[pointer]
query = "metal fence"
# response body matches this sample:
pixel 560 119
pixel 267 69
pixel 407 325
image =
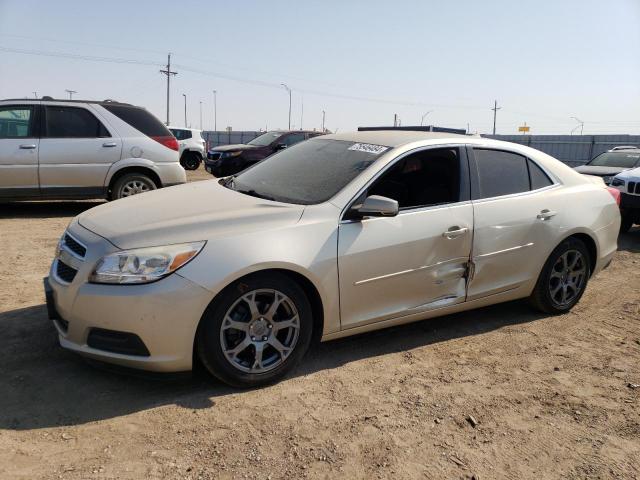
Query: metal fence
pixel 573 150
pixel 214 139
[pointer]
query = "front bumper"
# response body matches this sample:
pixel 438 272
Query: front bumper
pixel 163 315
pixel 628 201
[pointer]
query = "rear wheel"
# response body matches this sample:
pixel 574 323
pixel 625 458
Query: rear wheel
pixel 563 279
pixel 132 184
pixel 256 331
pixel 190 160
pixel 626 223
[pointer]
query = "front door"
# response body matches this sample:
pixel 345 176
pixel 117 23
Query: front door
pixel 416 261
pixel 18 151
pixel 76 151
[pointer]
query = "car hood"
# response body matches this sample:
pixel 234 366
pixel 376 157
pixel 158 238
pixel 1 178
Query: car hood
pixel 599 171
pixel 233 148
pixel 185 213
pixel 630 175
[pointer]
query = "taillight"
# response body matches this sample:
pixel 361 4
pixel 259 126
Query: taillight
pixel 168 141
pixel 615 193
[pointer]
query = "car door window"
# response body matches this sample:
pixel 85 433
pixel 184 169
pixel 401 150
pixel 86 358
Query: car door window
pixel 425 178
pixel 73 122
pixel 539 179
pixel 16 122
pixel 500 173
pixel 292 139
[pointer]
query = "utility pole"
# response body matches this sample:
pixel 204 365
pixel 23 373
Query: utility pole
pixel 495 111
pixel 395 119
pixel 168 73
pixel 288 90
pixel 71 92
pixel 301 110
pixel 215 112
pixel 581 125
pixel 423 116
pixel 35 95
pixel 323 114
pixel 185 110
pixel 201 115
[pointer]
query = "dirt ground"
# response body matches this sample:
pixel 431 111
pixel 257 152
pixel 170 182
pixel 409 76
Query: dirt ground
pixel 502 392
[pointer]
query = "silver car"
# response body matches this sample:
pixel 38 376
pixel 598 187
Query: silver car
pixel 335 236
pixel 62 149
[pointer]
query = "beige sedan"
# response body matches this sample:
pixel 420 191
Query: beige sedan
pixel 335 236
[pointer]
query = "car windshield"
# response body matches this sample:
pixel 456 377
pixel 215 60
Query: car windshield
pixel 265 139
pixel 616 159
pixel 307 173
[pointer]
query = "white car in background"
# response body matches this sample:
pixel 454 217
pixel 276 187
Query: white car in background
pixel 628 182
pixel 63 149
pixel 192 146
pixel 333 236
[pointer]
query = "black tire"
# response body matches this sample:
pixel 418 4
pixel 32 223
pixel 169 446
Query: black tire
pixel 211 339
pixel 626 223
pixel 190 160
pixel 543 297
pixel 132 184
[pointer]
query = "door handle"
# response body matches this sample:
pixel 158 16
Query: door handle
pixel 546 214
pixel 455 232
pixel 27 146
pixel 110 144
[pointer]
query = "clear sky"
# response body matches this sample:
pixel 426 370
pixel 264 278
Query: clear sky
pixel 362 61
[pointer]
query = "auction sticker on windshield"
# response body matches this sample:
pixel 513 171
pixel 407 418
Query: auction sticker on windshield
pixel 368 148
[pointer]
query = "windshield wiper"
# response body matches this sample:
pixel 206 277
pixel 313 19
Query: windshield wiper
pixel 253 193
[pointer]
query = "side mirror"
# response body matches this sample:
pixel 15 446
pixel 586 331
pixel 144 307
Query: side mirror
pixel 377 206
pixel 281 146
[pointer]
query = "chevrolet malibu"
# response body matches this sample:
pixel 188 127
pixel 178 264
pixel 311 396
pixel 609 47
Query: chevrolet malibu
pixel 335 236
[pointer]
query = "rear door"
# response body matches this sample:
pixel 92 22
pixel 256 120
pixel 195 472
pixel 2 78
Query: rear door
pixel 416 261
pixel 18 151
pixel 76 151
pixel 515 204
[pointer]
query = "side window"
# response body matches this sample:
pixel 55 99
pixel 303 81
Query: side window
pixel 539 179
pixel 73 122
pixel 16 122
pixel 292 139
pixel 500 173
pixel 429 177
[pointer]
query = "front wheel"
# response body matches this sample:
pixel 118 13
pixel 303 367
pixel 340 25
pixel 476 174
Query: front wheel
pixel 256 331
pixel 563 279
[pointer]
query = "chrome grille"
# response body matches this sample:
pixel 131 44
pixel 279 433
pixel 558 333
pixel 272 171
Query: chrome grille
pixel 64 272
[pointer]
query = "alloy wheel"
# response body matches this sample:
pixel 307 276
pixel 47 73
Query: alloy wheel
pixel 134 187
pixel 259 331
pixel 567 278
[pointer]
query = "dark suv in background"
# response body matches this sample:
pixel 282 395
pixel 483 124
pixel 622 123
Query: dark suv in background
pixel 230 159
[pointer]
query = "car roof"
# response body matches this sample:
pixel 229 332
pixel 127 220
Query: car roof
pixel 394 138
pixel 184 128
pixel 62 100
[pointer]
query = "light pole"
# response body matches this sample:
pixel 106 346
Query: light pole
pixel 581 125
pixel 185 110
pixel 422 119
pixel 71 92
pixel 288 90
pixel 35 94
pixel 215 112
pixel 201 115
pixel 323 113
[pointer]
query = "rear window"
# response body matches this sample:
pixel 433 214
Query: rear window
pixel 181 134
pixel 139 119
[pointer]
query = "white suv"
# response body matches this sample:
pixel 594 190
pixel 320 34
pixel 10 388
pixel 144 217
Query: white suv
pixel 61 149
pixel 192 146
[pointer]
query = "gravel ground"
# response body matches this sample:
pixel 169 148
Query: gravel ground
pixel 501 392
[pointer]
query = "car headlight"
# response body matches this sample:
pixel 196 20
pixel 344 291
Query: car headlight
pixel 617 182
pixel 144 265
pixel 232 154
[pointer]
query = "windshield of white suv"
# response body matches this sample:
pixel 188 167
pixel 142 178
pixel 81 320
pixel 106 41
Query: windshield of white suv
pixel 616 159
pixel 307 173
pixel 266 139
